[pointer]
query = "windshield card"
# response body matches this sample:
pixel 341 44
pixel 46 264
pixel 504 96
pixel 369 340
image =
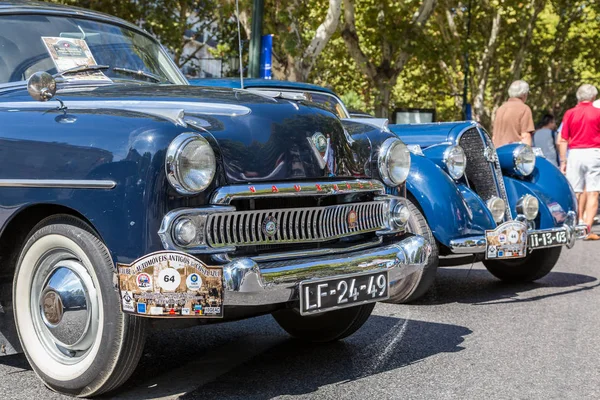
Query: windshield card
pixel 509 240
pixel 171 284
pixel 67 53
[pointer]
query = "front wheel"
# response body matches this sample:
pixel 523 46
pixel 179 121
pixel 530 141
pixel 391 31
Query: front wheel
pixel 418 283
pixel 326 327
pixel 535 266
pixel 67 311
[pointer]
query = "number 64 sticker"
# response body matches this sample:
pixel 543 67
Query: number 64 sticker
pixel 169 279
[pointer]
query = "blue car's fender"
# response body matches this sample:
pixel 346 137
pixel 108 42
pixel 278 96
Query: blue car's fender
pixel 548 184
pixel 439 199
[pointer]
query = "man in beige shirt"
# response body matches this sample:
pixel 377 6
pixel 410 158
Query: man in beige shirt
pixel 514 122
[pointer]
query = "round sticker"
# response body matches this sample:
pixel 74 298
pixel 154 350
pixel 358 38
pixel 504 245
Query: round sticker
pixel 193 281
pixel 513 237
pixel 502 238
pixel 169 279
pixel 144 281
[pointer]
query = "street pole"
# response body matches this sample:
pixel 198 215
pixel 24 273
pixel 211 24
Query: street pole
pixel 257 22
pixel 465 106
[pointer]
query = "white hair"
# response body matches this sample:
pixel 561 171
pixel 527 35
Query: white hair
pixel 518 89
pixel 587 92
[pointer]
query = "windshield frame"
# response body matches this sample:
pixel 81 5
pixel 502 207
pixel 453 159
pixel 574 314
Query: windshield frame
pixel 80 13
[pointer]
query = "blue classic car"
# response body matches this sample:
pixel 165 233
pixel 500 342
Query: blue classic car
pixel 507 207
pixel 126 194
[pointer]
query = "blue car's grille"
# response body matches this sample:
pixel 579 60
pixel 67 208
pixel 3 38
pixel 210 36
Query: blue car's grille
pixel 484 177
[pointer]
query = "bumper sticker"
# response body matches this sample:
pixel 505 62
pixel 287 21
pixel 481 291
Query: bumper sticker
pixel 171 284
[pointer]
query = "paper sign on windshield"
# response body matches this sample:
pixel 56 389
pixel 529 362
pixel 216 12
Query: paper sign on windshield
pixel 67 53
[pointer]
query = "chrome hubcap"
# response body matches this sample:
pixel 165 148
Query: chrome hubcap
pixel 65 305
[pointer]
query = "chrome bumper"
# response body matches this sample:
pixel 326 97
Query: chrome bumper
pixel 477 244
pixel 248 283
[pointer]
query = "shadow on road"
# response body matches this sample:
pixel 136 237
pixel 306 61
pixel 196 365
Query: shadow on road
pixel 293 367
pixel 478 286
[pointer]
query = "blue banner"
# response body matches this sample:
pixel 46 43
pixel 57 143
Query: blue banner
pixel 266 53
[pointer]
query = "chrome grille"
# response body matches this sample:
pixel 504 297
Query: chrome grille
pixel 484 177
pixel 294 225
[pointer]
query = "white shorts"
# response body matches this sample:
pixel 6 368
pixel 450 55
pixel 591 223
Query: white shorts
pixel 583 170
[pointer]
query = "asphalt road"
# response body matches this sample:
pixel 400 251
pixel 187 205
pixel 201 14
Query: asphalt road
pixel 472 337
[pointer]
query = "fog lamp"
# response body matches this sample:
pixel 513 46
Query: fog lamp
pixel 529 206
pixel 400 214
pixel 497 207
pixel 184 232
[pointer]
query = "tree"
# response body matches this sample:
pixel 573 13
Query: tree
pixel 383 64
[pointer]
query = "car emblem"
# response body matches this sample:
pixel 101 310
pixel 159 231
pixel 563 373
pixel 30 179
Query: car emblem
pixel 269 226
pixel 320 142
pixel 490 154
pixel 352 219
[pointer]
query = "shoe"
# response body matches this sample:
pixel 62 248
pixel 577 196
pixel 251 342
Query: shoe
pixel 592 236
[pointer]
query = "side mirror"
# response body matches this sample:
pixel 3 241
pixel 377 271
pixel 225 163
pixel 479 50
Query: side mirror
pixel 41 86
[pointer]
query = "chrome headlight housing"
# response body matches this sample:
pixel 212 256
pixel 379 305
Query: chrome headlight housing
pixel 393 162
pixel 524 159
pixel 529 206
pixel 497 207
pixel 456 161
pixel 190 163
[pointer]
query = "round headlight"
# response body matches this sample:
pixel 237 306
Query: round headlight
pixel 524 159
pixel 394 162
pixel 190 163
pixel 497 206
pixel 456 161
pixel 529 206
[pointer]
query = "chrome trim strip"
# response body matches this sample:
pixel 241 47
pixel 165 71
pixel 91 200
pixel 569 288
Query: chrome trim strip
pixel 225 194
pixel 58 183
pixel 301 91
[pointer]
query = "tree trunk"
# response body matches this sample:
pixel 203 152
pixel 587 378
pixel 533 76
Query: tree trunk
pixel 382 98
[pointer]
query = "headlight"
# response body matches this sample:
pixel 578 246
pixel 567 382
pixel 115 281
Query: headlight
pixel 190 163
pixel 456 161
pixel 394 162
pixel 524 159
pixel 497 206
pixel 529 206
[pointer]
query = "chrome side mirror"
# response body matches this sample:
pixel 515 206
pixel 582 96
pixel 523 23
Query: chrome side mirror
pixel 41 86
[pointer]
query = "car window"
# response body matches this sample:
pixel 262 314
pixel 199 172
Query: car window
pixel 24 52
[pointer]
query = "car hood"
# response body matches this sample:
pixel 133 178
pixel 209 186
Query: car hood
pixel 257 138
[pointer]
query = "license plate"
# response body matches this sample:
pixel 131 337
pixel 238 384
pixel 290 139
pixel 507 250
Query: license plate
pixel 508 240
pixel 326 294
pixel 547 239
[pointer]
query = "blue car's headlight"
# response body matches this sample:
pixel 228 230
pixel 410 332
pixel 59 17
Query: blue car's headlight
pixel 456 161
pixel 524 160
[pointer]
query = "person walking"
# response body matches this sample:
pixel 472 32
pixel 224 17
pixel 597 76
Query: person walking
pixel 545 138
pixel 514 121
pixel 581 134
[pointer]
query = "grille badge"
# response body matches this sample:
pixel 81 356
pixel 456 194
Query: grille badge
pixel 490 155
pixel 352 219
pixel 269 226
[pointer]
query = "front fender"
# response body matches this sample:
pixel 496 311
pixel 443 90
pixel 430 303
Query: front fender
pixel 439 198
pixel 549 185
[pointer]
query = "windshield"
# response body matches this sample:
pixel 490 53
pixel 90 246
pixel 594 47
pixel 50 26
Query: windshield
pixel 32 43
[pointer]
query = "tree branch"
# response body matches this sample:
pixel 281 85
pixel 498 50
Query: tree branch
pixel 352 41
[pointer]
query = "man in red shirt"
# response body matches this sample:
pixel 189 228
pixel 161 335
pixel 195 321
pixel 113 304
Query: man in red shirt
pixel 581 133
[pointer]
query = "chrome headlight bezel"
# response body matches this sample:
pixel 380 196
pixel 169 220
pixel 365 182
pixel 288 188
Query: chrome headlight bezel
pixel 393 150
pixel 176 173
pixel 524 160
pixel 452 160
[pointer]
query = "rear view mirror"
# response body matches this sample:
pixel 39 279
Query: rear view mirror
pixel 41 86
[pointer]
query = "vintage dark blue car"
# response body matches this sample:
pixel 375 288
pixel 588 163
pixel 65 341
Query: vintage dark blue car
pixel 508 207
pixel 126 194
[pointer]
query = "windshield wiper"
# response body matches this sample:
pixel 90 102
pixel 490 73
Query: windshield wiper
pixel 82 68
pixel 139 73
